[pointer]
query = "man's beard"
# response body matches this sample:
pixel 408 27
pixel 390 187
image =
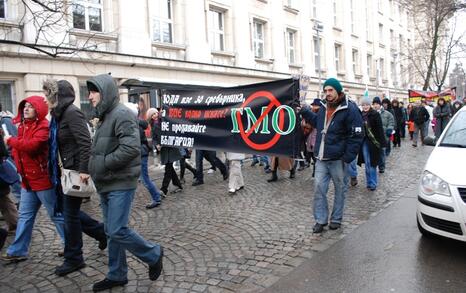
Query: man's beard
pixel 334 103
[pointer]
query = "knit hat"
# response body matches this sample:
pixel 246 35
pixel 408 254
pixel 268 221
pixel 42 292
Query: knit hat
pixel 366 100
pixel 333 82
pixel 376 100
pixel 386 101
pixel 150 112
pixel 316 102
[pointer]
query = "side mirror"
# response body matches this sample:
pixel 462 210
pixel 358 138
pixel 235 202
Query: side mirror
pixel 430 140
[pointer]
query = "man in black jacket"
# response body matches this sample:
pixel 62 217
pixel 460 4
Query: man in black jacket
pixel 115 165
pixel 419 116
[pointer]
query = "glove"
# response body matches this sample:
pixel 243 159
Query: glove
pixel 388 132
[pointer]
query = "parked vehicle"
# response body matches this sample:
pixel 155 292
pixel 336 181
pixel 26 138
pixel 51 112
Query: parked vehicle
pixel 442 189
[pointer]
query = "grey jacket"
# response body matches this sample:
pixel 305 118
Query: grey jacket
pixel 115 162
pixel 388 121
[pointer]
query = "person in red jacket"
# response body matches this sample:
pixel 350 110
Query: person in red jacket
pixel 30 151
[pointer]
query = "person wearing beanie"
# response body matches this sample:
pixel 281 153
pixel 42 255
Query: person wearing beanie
pixel 339 137
pixel 115 166
pixel 70 142
pixel 373 142
pixel 388 124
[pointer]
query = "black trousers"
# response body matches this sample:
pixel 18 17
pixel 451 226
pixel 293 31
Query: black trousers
pixel 170 176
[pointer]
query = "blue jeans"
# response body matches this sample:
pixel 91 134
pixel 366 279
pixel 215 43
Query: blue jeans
pixel 76 222
pixel 150 186
pixel 382 159
pixel 326 170
pixel 353 168
pixel 388 148
pixel 371 172
pixel 15 187
pixel 28 208
pixel 263 159
pixel 116 207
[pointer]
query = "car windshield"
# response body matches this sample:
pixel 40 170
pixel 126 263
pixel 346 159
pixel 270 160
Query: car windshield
pixel 455 135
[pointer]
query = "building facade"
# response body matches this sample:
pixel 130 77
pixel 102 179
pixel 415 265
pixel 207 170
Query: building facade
pixel 207 42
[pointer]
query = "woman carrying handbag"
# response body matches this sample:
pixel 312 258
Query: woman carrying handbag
pixel 70 143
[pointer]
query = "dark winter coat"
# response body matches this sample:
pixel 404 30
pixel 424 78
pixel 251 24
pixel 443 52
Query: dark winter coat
pixel 115 162
pixel 419 115
pixel 167 154
pixel 454 109
pixel 373 125
pixel 442 116
pixel 342 138
pixel 30 147
pixel 145 149
pixel 74 140
pixel 399 117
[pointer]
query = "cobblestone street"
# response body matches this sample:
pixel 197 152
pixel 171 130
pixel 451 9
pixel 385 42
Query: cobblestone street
pixel 216 242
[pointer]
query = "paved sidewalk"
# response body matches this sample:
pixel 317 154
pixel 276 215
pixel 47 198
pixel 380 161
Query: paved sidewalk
pixel 215 242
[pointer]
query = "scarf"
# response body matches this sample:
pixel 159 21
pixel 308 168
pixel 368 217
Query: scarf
pixel 53 165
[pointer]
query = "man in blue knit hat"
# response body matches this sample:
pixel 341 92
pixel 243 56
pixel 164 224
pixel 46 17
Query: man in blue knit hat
pixel 339 137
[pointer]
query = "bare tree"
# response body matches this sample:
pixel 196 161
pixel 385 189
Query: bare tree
pixel 44 26
pixel 431 52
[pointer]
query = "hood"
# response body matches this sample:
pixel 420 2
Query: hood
pixel 108 90
pixel 39 105
pixel 59 93
pixel 448 163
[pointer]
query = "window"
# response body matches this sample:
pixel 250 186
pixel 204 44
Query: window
pixel 335 13
pixel 382 68
pixel 368 22
pixel 7 96
pixel 353 26
pixel 314 9
pixel 87 15
pixel 3 8
pixel 369 65
pixel 355 55
pixel 338 57
pixel 217 30
pixel 85 105
pixel 291 46
pixel 380 33
pixel 258 39
pixel 393 72
pixel 162 22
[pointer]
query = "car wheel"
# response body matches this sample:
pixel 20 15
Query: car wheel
pixel 423 231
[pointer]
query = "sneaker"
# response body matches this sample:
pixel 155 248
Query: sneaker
pixel 152 205
pixel 67 268
pixel 156 269
pixel 210 171
pixel 268 170
pixel 107 284
pixel 14 258
pixel 239 188
pixel 334 226
pixel 197 182
pixel 318 228
pixel 178 189
pixel 163 193
pixel 232 191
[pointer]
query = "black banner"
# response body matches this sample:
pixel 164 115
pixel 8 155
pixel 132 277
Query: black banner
pixel 257 118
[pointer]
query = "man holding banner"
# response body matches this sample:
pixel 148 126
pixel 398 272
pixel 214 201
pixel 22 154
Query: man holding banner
pixel 339 137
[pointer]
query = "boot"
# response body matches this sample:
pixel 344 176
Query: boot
pixel 274 176
pixel 292 173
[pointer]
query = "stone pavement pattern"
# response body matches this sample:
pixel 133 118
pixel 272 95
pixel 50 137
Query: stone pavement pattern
pixel 215 242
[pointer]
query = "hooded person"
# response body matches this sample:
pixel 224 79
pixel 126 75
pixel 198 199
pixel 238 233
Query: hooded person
pixel 30 151
pixel 339 137
pixel 70 141
pixel 442 114
pixel 115 166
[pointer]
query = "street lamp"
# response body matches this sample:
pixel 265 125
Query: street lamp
pixel 318 27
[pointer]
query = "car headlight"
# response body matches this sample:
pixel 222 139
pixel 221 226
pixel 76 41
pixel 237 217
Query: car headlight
pixel 431 184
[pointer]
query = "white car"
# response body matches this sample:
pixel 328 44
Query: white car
pixel 442 189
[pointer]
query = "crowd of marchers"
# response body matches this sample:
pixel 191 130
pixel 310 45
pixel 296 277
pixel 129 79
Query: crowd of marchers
pixel 50 134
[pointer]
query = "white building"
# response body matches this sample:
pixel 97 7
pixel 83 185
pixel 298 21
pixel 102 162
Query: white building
pixel 206 42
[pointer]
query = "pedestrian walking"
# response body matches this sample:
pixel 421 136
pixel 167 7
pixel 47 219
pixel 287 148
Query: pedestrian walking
pixel 30 150
pixel 282 163
pixel 399 123
pixel 405 119
pixel 211 157
pixel 262 160
pixel 70 143
pixel 457 105
pixel 339 137
pixel 442 114
pixel 387 106
pixel 7 174
pixel 419 116
pixel 236 181
pixel 388 124
pixel 373 143
pixel 115 166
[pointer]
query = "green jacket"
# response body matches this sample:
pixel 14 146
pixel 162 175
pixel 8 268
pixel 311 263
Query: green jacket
pixel 388 121
pixel 115 162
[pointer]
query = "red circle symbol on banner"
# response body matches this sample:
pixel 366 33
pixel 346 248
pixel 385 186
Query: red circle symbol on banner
pixel 273 102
